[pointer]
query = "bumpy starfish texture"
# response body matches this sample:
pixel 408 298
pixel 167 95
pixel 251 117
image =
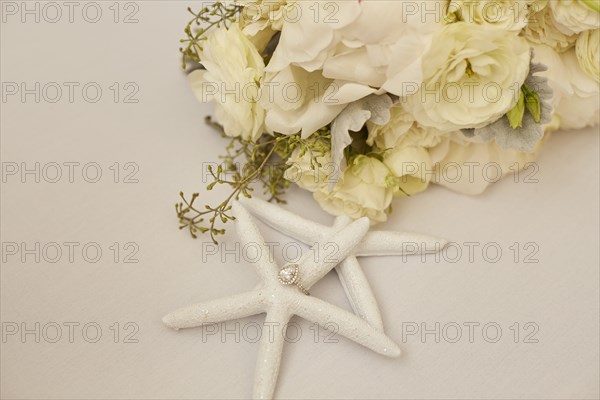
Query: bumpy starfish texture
pixel 374 243
pixel 281 302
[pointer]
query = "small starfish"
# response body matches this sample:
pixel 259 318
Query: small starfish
pixel 375 243
pixel 281 302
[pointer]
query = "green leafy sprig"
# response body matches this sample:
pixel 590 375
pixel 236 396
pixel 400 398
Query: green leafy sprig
pixel 215 15
pixel 245 163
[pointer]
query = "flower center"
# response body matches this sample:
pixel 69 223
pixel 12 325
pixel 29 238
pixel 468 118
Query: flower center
pixel 469 69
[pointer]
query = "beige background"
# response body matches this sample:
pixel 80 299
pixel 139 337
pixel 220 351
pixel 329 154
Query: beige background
pixel 164 135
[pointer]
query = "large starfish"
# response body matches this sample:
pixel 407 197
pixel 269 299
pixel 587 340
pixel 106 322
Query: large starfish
pixel 375 243
pixel 281 302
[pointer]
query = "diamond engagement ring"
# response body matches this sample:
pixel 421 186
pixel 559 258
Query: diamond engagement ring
pixel 290 275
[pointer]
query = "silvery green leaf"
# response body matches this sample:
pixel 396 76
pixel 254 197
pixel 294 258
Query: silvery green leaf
pixel 524 138
pixel 375 108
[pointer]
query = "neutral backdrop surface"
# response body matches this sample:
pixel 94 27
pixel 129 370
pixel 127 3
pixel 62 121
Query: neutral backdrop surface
pixel 534 312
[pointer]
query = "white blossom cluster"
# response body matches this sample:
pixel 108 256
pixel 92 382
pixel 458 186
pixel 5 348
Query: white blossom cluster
pixel 406 80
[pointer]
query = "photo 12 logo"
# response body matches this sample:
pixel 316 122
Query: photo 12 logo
pixel 475 252
pixel 53 12
pixel 69 172
pixel 470 332
pixel 251 252
pixel 69 332
pixel 69 252
pixel 70 92
pixel 253 332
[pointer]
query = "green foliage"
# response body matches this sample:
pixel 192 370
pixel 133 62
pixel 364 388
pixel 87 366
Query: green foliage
pixel 533 103
pixel 247 162
pixel 528 100
pixel 215 15
pixel 593 4
pixel 516 114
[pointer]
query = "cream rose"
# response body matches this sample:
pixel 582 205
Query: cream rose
pixel 543 29
pixel 260 14
pixel 588 52
pixel 510 15
pixel 354 41
pixel 401 129
pixel 581 108
pixel 575 97
pixel 422 137
pixel 309 176
pixel 384 49
pixel 409 159
pixel 231 78
pixel 470 166
pixel 556 73
pixel 471 76
pixel 387 136
pixel 412 167
pixel 575 16
pixel 365 189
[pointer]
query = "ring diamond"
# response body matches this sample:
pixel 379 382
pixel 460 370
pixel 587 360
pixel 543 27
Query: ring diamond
pixel 290 275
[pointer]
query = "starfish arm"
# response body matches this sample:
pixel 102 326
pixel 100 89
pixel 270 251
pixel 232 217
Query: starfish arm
pixel 328 253
pixel 389 243
pixel 251 238
pixel 359 292
pixel 214 311
pixel 345 323
pixel 286 222
pixel 269 352
pixel 341 221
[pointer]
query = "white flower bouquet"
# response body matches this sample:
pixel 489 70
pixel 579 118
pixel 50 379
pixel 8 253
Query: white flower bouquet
pixel 362 101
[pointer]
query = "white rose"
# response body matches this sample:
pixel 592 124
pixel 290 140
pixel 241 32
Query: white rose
pixel 233 70
pixel 510 15
pixel 309 176
pixel 260 14
pixel 378 43
pixel 412 167
pixel 543 29
pixel 553 125
pixel 470 166
pixel 300 101
pixel 409 159
pixel 556 73
pixel 587 49
pixel 420 136
pixel 471 76
pixel 310 31
pixel 401 129
pixel 384 46
pixel 582 108
pixel 574 16
pixel 365 189
pixel 576 94
pixel 387 136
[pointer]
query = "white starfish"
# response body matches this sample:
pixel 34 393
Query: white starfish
pixel 375 243
pixel 281 302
